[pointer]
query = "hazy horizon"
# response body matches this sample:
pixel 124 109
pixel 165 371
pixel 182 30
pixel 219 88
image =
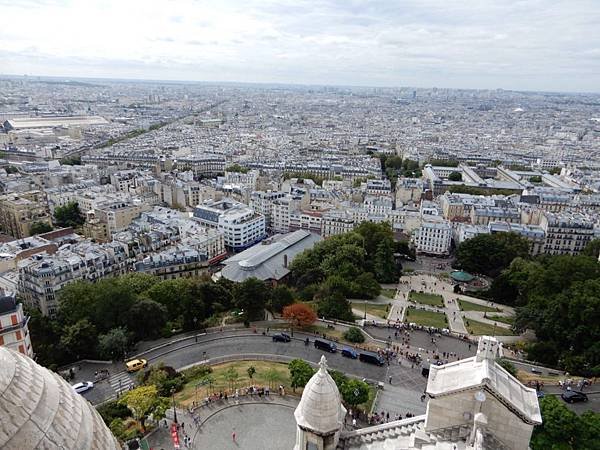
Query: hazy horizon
pixel 519 45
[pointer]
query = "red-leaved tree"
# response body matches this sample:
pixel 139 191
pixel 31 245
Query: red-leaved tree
pixel 299 315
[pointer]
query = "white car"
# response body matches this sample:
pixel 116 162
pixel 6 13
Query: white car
pixel 82 387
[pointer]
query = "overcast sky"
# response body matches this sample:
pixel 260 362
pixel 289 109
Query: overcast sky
pixel 511 44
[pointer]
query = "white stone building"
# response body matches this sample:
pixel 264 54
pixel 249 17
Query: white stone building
pixel 433 237
pixel 474 404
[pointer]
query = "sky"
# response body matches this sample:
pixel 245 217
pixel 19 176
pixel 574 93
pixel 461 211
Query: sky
pixel 550 45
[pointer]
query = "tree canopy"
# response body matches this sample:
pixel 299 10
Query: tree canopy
pixel 559 298
pixel 300 373
pixel 489 254
pixel 68 215
pixel 39 228
pixel 455 176
pixel 299 315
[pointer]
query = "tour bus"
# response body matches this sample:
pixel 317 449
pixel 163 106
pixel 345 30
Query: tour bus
pixel 371 358
pixel 325 345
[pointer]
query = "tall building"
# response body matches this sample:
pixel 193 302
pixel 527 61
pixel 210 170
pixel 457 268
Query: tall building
pixel 18 212
pixel 566 233
pixel 241 226
pixel 14 332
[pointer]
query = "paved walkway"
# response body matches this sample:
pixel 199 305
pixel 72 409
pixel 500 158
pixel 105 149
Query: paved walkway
pixel 257 423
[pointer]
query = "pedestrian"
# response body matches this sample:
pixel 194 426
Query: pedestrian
pixel 233 437
pixel 390 379
pixel 354 423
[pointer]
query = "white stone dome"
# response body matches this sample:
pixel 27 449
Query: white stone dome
pixel 39 410
pixel 320 409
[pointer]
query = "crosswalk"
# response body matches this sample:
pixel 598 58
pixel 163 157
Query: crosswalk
pixel 121 382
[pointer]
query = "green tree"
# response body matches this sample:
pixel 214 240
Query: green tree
pixel 489 254
pixel 300 373
pixel 353 334
pixel 113 344
pixel 592 248
pixel 69 215
pixel 355 392
pixel 455 176
pixel 45 338
pixel 252 296
pixel 365 286
pixel 272 376
pixel 237 168
pixel 146 318
pixel 138 282
pixel 558 428
pixel 394 162
pixel 144 402
pixel 281 296
pixel 250 371
pixel 172 294
pixel 335 306
pixel 79 339
pixel 39 228
pixel 384 264
pixel 508 366
pixel 231 376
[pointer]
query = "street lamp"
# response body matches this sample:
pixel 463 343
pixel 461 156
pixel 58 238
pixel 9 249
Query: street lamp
pixel 365 310
pixel 174 409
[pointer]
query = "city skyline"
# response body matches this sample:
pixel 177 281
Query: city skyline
pixel 531 46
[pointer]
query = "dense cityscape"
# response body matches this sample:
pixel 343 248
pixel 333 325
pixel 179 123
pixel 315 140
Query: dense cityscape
pixel 307 225
pixel 133 212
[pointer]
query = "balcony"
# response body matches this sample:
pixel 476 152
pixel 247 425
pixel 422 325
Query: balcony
pixel 16 327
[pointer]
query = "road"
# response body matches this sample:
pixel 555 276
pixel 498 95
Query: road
pixel 402 396
pixel 189 352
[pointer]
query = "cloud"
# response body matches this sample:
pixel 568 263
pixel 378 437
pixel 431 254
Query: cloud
pixel 521 44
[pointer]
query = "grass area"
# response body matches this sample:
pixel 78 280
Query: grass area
pixel 510 320
pixel 470 306
pixel 426 299
pixel 375 309
pixel 426 318
pixel 389 293
pixel 281 373
pixel 220 383
pixel 480 329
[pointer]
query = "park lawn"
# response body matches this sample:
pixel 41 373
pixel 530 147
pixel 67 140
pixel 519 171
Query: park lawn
pixel 389 293
pixel 426 299
pixel 220 383
pixel 426 318
pixel 375 309
pixel 479 329
pixel 470 306
pixel 510 320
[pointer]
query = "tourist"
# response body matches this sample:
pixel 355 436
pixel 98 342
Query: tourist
pixel 233 437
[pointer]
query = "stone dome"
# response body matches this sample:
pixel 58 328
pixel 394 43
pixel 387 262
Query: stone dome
pixel 39 410
pixel 320 409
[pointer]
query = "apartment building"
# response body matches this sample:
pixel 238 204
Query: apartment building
pixel 18 212
pixel 262 203
pixel 433 237
pixel 177 262
pixel 566 233
pixel 14 330
pixel 117 215
pixel 336 222
pixel 533 233
pixel 240 225
pixel 482 215
pixel 42 276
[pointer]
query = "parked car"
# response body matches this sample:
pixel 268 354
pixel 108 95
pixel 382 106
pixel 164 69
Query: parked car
pixel 574 397
pixel 281 337
pixel 540 394
pixel 371 358
pixel 349 353
pixel 536 370
pixel 83 386
pixel 325 345
pixel 136 364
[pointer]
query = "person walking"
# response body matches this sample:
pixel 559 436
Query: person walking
pixel 233 437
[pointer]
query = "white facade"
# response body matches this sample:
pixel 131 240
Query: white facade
pixel 433 237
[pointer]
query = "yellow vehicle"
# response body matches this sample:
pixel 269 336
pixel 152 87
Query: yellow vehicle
pixel 136 364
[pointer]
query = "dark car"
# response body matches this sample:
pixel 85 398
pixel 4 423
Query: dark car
pixel 325 345
pixel 349 353
pixel 371 358
pixel 536 370
pixel 574 397
pixel 281 337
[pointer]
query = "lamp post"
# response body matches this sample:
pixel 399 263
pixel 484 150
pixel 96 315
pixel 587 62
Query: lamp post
pixel 365 317
pixel 174 409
